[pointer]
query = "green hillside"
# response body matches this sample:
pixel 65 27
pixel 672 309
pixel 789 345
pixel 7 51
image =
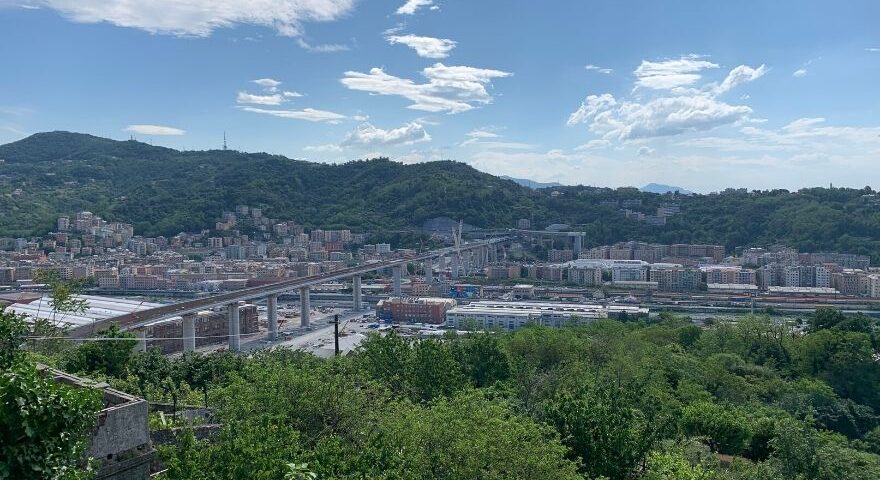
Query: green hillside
pixel 165 191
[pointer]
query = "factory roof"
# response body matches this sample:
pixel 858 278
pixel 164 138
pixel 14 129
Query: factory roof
pixel 98 308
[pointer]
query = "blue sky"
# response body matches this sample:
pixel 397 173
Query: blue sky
pixel 699 94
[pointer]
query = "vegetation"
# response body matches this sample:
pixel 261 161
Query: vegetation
pixel 44 425
pixel 617 400
pixel 164 191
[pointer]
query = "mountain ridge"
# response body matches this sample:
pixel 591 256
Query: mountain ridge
pixel 163 191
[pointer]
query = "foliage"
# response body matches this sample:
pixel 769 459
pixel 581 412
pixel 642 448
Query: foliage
pixel 109 354
pixel 12 332
pixel 752 399
pixel 164 191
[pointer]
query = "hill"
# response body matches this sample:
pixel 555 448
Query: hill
pixel 531 183
pixel 165 191
pixel 661 188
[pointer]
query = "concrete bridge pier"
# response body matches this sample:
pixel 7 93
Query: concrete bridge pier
pixel 453 273
pixel 234 327
pixel 141 345
pixel 356 292
pixel 305 307
pixel 396 274
pixel 429 271
pixel 189 333
pixel 578 246
pixel 272 314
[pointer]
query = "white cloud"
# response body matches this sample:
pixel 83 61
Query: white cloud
pixel 799 73
pixel 482 133
pixel 412 6
pixel 676 111
pixel 201 17
pixel 668 74
pixel 309 114
pixel 873 49
pixel 427 47
pixel 645 151
pixel 803 124
pixel 486 139
pixel 599 69
pixel 368 135
pixel 491 145
pixel 738 76
pixel 145 129
pixel 267 83
pixel 590 107
pixel 593 145
pixel 273 99
pixel 328 147
pixel 291 94
pixel 323 48
pixel 451 89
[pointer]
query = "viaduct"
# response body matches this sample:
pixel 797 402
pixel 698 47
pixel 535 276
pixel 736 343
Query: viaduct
pixel 476 253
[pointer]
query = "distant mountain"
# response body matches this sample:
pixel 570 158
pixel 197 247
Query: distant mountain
pixel 661 188
pixel 531 183
pixel 163 191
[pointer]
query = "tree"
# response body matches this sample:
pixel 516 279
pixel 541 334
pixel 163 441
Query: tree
pixel 726 429
pixel 481 358
pixel 109 353
pixel 432 371
pixel 12 332
pixel 845 360
pixel 600 425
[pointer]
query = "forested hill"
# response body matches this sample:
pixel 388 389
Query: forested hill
pixel 165 191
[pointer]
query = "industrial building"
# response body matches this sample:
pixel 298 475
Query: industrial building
pixel 414 310
pixel 489 315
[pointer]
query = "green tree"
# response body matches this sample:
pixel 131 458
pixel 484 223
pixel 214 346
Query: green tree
pixel 727 429
pixel 44 425
pixel 109 354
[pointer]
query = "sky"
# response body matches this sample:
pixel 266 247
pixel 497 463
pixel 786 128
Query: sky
pixel 703 95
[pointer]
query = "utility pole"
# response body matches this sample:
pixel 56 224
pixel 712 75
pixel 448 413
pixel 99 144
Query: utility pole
pixel 336 333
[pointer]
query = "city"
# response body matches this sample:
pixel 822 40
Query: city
pixel 428 239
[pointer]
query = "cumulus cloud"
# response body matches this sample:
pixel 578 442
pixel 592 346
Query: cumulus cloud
pixel 200 17
pixel 146 129
pixel 309 114
pixel 450 89
pixel 271 96
pixel 273 99
pixel 368 135
pixel 599 69
pixel 269 84
pixel 592 105
pixel 427 47
pixel 681 107
pixel 668 74
pixel 412 6
pixel 799 73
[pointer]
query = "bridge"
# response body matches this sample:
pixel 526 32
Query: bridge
pixel 479 253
